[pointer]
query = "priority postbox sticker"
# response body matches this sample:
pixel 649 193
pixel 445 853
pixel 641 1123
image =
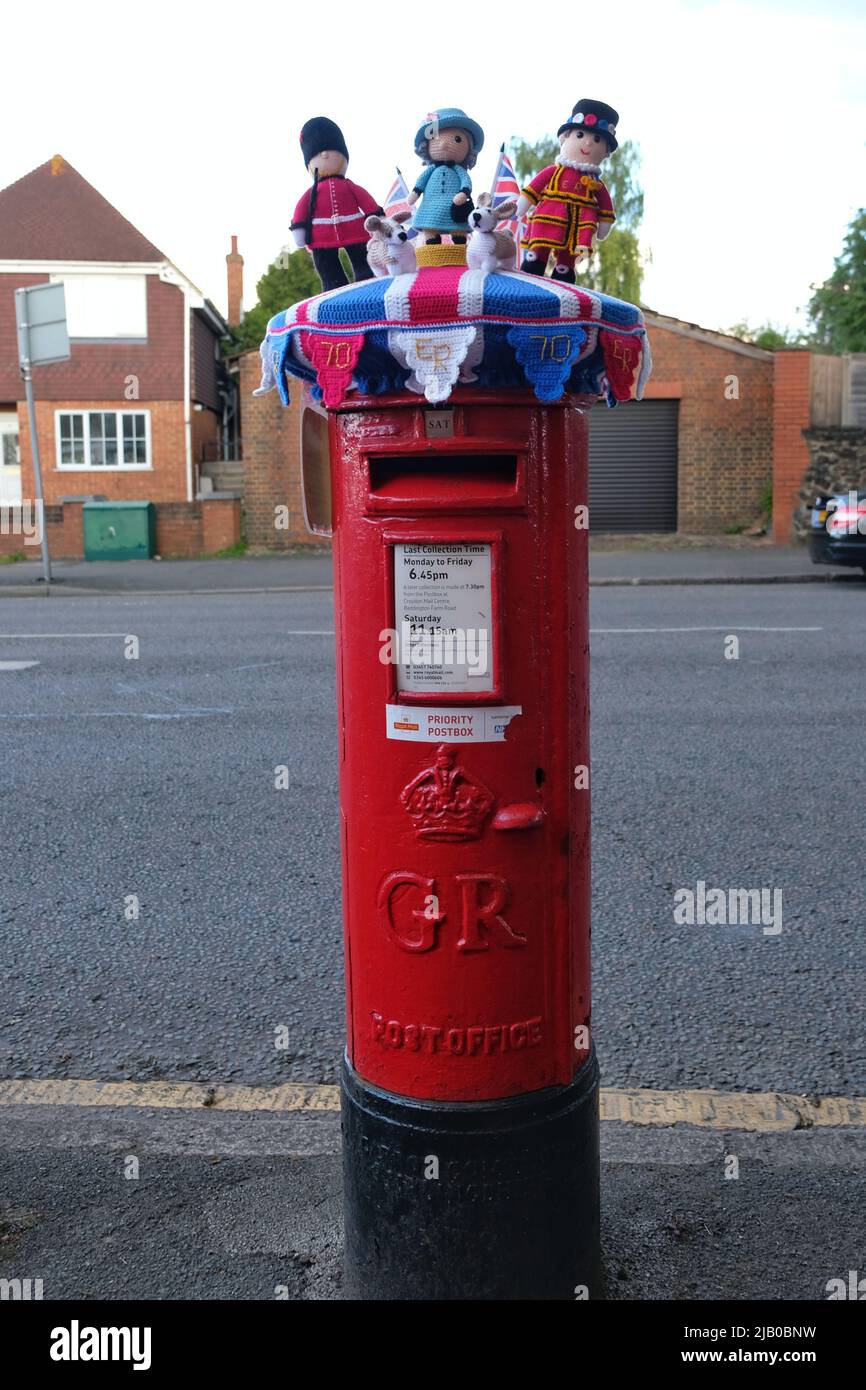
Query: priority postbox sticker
pixel 449 723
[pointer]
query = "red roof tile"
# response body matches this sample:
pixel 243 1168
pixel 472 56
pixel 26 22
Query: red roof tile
pixel 53 214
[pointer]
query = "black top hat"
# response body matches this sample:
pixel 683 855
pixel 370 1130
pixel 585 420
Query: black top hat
pixel 319 134
pixel 595 116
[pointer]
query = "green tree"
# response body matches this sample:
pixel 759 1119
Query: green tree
pixel 838 307
pixel 769 337
pixel 292 276
pixel 616 268
pixel 528 159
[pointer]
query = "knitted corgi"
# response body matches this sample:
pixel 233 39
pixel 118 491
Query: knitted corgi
pixel 488 249
pixel 568 205
pixel 389 250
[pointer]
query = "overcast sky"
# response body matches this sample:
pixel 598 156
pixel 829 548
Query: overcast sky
pixel 750 116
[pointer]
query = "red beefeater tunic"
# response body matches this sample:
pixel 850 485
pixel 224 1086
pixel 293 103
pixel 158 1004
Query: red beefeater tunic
pixel 569 205
pixel 339 212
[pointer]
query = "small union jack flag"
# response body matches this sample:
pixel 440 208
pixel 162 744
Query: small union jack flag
pixel 504 186
pixel 396 199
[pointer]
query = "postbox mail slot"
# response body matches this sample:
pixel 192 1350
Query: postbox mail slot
pixel 422 482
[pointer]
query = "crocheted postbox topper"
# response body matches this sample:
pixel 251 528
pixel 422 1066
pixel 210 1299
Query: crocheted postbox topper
pixel 441 326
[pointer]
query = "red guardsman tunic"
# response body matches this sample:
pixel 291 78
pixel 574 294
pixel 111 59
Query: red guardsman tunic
pixel 339 212
pixel 570 205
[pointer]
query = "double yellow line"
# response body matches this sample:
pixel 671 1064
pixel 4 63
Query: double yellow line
pixel 763 1111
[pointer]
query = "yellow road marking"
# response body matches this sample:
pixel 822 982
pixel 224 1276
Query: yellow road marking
pixel 770 1111
pixel 170 1095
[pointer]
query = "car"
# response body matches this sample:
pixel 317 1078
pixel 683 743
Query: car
pixel 838 530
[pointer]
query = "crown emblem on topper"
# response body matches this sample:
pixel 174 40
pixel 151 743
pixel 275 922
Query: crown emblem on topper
pixel 445 802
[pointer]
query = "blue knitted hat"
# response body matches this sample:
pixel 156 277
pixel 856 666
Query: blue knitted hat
pixel 448 117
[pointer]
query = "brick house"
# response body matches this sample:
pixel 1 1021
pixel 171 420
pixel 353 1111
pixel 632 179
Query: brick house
pixel 701 442
pixel 721 422
pixel 142 403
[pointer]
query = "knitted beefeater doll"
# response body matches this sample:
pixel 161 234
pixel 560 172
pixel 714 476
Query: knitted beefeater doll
pixel 331 214
pixel 448 144
pixel 567 205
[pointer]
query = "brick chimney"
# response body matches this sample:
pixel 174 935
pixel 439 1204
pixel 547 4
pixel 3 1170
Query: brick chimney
pixel 235 273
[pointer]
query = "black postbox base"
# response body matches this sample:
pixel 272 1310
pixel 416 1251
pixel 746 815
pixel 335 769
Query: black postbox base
pixel 488 1200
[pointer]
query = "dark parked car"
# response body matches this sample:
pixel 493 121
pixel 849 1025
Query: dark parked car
pixel 838 534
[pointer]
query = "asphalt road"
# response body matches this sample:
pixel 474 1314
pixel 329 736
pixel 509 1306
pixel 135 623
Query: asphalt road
pixel 155 777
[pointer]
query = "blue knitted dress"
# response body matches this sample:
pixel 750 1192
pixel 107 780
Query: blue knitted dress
pixel 439 183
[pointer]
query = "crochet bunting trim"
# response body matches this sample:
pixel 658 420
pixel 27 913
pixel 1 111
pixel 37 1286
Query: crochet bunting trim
pixel 438 327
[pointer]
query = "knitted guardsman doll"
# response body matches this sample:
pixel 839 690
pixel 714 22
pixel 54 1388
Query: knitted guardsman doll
pixel 447 144
pixel 567 202
pixel 331 214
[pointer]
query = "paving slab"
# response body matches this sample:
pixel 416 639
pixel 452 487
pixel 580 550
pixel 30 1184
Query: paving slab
pixel 236 1206
pixel 628 563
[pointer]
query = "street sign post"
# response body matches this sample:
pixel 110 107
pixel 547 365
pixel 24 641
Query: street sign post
pixel 40 316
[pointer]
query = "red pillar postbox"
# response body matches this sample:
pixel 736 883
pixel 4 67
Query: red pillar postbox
pixel 470 1084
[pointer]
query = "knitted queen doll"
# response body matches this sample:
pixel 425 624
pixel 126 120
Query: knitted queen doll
pixel 447 144
pixel 567 205
pixel 331 214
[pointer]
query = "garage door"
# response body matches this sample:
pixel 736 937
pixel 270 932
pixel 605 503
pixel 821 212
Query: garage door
pixel 633 467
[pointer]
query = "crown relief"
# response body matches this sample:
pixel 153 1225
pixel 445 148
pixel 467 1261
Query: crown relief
pixel 445 802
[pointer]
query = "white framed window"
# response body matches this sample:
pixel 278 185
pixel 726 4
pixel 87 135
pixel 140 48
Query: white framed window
pixel 103 439
pixel 105 307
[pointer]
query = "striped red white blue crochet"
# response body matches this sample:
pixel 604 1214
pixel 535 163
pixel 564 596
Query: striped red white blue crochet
pixel 438 327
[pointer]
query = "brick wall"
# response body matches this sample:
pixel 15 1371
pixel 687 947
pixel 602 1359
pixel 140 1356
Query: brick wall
pixel 178 529
pixel 187 529
pixel 64 526
pixel 725 441
pixel 791 414
pixel 220 523
pixel 11 385
pixel 164 482
pixel 272 464
pixel 206 366
pixel 205 436
pixel 183 529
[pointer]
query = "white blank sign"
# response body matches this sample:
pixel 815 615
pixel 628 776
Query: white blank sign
pixel 106 306
pixel 40 315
